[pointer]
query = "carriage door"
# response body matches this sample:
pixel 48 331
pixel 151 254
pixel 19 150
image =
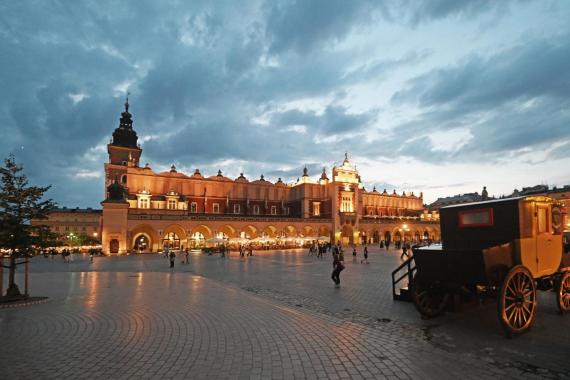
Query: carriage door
pixel 547 259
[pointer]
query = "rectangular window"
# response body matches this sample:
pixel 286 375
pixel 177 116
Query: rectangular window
pixel 346 202
pixel 255 209
pixel 316 208
pixel 236 209
pixel 143 203
pixel 286 210
pixel 193 207
pixel 171 204
pixel 542 220
pixel 216 208
pixel 476 218
pixel 273 210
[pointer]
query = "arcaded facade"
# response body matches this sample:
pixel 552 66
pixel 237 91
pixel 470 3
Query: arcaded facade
pixel 144 210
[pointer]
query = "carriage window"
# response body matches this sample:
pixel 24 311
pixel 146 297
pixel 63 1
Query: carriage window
pixel 542 221
pixel 476 218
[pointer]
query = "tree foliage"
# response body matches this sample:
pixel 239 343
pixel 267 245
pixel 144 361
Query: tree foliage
pixel 19 204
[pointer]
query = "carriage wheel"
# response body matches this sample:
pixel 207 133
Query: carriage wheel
pixel 563 293
pixel 517 300
pixel 430 300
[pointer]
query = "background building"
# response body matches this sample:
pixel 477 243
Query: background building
pixel 74 225
pixel 146 210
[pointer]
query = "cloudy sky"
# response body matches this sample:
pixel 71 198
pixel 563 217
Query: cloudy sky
pixel 439 96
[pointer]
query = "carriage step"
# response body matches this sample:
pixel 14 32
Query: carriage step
pixel 404 295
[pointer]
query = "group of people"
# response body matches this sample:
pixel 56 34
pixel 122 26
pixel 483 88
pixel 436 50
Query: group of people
pixel 245 251
pixel 171 256
pixel 319 249
pixel 338 261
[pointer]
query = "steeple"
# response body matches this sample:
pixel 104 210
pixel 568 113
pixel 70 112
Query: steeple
pixel 305 171
pixel 324 174
pixel 125 135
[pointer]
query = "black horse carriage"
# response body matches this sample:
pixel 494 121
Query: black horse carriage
pixel 508 248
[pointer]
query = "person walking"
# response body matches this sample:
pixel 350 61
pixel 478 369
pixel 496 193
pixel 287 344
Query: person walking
pixel 353 253
pixel 404 252
pixel 365 260
pixel 172 258
pixel 337 268
pixel 250 250
pixel 186 254
pixel 91 253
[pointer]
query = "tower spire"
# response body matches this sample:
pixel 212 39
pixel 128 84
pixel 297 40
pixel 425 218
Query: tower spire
pixel 127 102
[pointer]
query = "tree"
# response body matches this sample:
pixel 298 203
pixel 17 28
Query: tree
pixel 19 204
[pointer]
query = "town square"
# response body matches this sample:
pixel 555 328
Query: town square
pixel 287 189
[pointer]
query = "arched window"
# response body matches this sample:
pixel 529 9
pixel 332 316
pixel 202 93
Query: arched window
pixel 171 240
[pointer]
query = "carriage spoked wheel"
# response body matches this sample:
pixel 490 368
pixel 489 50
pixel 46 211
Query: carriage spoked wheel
pixel 563 293
pixel 431 299
pixel 517 301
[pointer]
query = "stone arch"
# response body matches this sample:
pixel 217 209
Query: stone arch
pixel 270 231
pixel 347 235
pixel 229 231
pixel 324 231
pixel 308 231
pixel 148 232
pixel 174 236
pixel 250 231
pixel 114 246
pixel 204 230
pixel 375 236
pixel 290 231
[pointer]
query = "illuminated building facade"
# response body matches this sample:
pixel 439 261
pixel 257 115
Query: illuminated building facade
pixel 73 222
pixel 145 210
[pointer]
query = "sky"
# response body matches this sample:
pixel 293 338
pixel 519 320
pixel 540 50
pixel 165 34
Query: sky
pixel 435 96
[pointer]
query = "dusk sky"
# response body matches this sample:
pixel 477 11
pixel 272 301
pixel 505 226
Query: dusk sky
pixel 439 96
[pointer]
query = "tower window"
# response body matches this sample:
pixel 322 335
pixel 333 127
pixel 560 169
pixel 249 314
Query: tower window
pixel 273 210
pixel 256 209
pixel 316 208
pixel 124 179
pixel 236 209
pixel 194 207
pixel 171 204
pixel 216 208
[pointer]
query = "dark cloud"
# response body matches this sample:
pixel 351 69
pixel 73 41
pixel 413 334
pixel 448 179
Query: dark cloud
pixel 202 73
pixel 303 25
pixel 535 69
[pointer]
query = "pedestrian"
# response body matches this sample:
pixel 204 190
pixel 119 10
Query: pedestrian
pixel 337 268
pixel 353 253
pixel 186 253
pixel 365 260
pixel 172 258
pixel 404 251
pixel 387 244
pixel 250 250
pixel 91 253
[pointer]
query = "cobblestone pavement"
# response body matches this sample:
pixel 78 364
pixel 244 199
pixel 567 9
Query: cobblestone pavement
pixel 273 315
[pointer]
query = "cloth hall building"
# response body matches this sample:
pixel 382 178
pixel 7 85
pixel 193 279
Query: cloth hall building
pixel 145 211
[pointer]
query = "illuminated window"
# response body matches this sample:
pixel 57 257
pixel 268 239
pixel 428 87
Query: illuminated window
pixel 542 221
pixel 256 209
pixel 171 204
pixel 236 209
pixel 194 207
pixel 216 208
pixel 316 208
pixel 143 203
pixel 273 210
pixel 346 203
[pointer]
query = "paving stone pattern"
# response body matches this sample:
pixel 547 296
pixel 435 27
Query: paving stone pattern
pixel 274 315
